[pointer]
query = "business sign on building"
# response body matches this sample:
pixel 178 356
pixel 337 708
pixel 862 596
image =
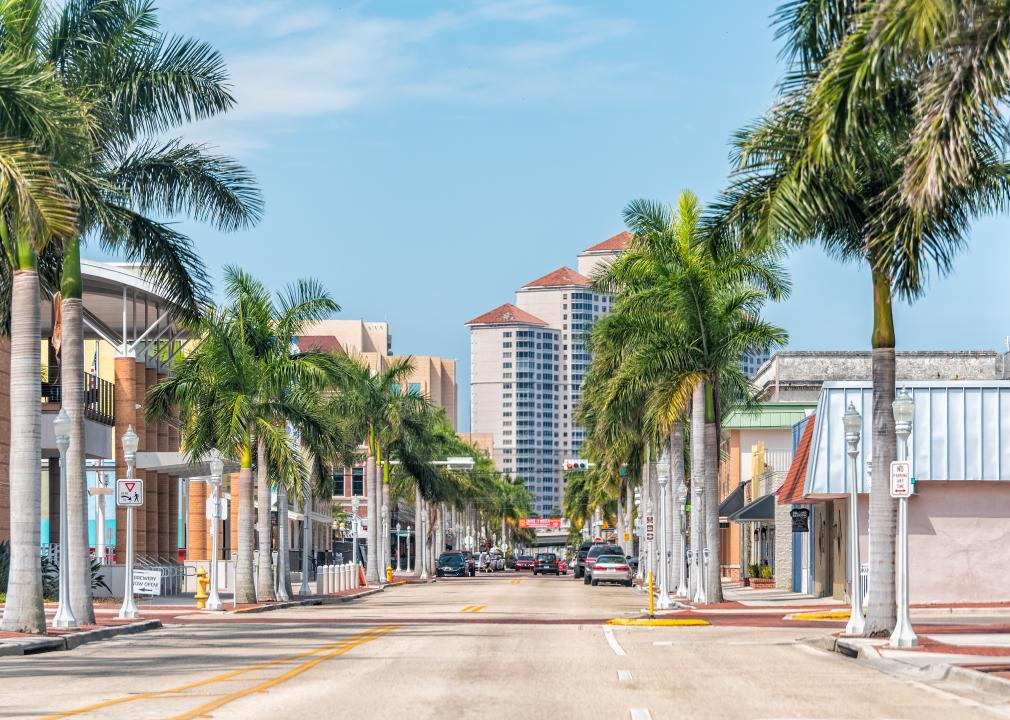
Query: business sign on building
pixel 540 523
pixel 801 518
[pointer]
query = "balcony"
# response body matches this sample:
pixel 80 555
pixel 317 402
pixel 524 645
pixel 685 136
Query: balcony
pixel 99 396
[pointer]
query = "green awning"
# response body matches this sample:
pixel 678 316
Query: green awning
pixel 761 509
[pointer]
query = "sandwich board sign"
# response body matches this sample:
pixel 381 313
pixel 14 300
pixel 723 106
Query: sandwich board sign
pixel 147 582
pixel 129 493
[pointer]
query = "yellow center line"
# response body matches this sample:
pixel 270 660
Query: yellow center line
pixel 273 682
pixel 468 608
pixel 215 679
pixel 478 608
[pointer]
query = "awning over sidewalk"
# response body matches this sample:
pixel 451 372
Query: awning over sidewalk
pixel 761 509
pixel 733 503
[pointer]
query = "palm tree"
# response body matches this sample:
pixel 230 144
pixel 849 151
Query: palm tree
pixel 691 315
pixel 40 126
pixel 138 84
pixel 849 200
pixel 239 390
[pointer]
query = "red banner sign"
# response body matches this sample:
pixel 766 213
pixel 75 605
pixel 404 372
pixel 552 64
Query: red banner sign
pixel 540 523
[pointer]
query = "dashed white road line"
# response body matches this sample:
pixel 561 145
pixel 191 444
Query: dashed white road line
pixel 640 714
pixel 624 675
pixel 612 641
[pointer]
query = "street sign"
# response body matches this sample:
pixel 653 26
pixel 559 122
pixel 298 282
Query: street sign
pixel 800 516
pixel 129 493
pixel 627 537
pixel 650 527
pixel 222 504
pixel 901 479
pixel 147 582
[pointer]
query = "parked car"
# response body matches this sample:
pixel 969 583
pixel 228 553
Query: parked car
pixel 563 566
pixel 546 563
pixel 524 562
pixel 633 562
pixel 595 552
pixel 579 559
pixel 611 568
pixel 451 565
pixel 497 561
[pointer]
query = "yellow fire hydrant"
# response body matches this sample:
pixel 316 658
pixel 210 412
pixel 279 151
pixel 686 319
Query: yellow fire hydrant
pixel 389 574
pixel 202 583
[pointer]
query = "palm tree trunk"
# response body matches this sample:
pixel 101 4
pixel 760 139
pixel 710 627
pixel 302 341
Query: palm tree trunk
pixel 697 479
pixel 629 516
pixel 23 611
pixel 714 568
pixel 676 483
pixel 283 571
pixel 386 549
pixel 264 579
pixel 419 557
pixel 882 612
pixel 374 521
pixel 245 588
pixel 72 387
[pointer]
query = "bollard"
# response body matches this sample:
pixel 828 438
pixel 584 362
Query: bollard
pixel 652 598
pixel 348 576
pixel 323 579
pixel 329 579
pixel 342 578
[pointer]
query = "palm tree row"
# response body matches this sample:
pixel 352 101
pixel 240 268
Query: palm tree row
pixel 684 315
pixel 91 87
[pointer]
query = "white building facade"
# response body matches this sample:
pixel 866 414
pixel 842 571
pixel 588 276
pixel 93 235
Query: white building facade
pixel 527 364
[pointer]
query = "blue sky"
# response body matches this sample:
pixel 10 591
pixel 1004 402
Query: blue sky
pixel 425 159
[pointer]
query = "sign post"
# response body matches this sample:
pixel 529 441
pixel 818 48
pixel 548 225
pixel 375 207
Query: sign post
pixel 129 494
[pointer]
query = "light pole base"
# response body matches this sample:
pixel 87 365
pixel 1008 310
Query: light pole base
pixel 855 625
pixel 64 622
pixel 664 602
pixel 213 604
pixel 129 614
pixel 903 636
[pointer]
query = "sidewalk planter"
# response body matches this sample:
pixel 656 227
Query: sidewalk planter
pixel 762 583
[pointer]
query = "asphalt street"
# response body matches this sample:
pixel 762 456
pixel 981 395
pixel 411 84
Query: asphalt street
pixel 504 646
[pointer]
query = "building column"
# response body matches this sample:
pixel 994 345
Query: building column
pixel 177 537
pixel 126 415
pixel 148 433
pixel 196 542
pixel 54 501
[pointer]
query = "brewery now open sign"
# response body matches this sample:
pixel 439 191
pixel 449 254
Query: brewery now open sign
pixel 801 518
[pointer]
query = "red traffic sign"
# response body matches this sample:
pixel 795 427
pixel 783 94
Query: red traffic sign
pixel 129 493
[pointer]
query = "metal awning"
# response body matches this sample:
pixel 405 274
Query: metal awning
pixel 733 503
pixel 761 509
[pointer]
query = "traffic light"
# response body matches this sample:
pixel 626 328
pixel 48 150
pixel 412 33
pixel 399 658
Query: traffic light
pixel 576 464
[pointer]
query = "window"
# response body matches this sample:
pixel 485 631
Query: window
pixel 358 481
pixel 414 389
pixel 338 482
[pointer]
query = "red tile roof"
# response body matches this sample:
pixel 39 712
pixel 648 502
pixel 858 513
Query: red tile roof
pixel 618 242
pixel 507 314
pixel 562 277
pixel 791 492
pixel 327 343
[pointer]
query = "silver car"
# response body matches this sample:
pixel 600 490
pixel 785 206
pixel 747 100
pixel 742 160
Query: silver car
pixel 612 568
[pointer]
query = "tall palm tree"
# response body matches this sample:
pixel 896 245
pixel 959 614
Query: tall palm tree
pixel 39 125
pixel 849 201
pixel 691 315
pixel 239 390
pixel 138 84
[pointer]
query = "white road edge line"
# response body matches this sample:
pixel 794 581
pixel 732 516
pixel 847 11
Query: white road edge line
pixel 612 641
pixel 624 675
pixel 640 714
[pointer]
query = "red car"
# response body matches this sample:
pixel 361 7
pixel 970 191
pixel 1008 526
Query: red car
pixel 524 562
pixel 563 567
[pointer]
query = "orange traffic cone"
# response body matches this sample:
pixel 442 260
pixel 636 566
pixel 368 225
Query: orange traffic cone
pixel 361 576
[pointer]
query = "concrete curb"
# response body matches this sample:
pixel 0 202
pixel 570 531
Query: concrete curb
pixel 322 600
pixel 937 672
pixel 34 646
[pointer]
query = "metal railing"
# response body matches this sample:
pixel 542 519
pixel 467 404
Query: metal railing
pixel 99 395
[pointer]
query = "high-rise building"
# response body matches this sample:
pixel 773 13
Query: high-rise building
pixel 752 362
pixel 527 364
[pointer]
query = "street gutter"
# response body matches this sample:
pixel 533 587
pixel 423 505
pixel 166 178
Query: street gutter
pixel 36 645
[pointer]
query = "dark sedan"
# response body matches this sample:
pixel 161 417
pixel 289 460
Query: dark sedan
pixel 451 565
pixel 546 563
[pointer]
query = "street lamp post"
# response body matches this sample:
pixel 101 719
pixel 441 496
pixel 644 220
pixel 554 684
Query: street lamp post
pixel 385 544
pixel 422 542
pixel 682 561
pixel 216 471
pixel 904 412
pixel 354 531
pixel 129 609
pixel 853 424
pixel 64 613
pixel 697 521
pixel 663 473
